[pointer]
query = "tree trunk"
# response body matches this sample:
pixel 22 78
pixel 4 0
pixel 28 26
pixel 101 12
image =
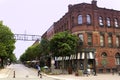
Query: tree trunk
pixel 2 64
pixel 85 63
pixel 62 64
pixel 69 67
pixel 77 65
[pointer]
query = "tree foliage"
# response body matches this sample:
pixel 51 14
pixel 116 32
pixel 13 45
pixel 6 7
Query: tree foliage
pixel 13 58
pixel 63 44
pixel 3 52
pixel 44 45
pixel 31 53
pixel 7 42
pixel 36 51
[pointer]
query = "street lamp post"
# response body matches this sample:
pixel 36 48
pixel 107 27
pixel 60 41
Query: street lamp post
pixel 52 62
pixel 85 60
pixel 52 65
pixel 95 64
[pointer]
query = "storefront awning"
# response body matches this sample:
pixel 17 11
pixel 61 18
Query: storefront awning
pixel 89 55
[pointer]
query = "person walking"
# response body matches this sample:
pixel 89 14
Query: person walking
pixel 119 72
pixel 112 71
pixel 39 71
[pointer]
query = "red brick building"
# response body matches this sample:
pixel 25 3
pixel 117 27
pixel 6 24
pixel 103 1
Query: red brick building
pixel 99 32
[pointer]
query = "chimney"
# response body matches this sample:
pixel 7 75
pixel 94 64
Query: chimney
pixel 69 6
pixel 94 2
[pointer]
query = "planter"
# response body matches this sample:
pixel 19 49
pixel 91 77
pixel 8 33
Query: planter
pixel 80 72
pixel 76 74
pixel 69 70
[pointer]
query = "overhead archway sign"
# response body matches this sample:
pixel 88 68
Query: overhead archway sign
pixel 27 37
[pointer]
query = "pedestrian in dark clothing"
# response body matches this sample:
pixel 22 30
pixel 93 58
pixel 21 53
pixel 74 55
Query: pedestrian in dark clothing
pixel 39 71
pixel 112 71
pixel 119 73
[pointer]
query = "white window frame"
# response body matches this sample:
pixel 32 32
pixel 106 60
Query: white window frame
pixel 101 40
pixel 117 60
pixel 116 22
pixel 100 21
pixel 90 39
pixel 80 19
pixel 117 41
pixel 108 22
pixel 110 41
pixel 88 19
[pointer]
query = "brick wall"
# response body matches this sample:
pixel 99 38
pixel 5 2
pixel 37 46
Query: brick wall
pixel 70 22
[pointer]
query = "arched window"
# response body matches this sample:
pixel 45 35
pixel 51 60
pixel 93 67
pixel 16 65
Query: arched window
pixel 108 22
pixel 100 21
pixel 80 19
pixel 88 19
pixel 104 55
pixel 116 22
pixel 117 57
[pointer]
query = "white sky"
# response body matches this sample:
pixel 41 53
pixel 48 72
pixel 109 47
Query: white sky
pixel 36 16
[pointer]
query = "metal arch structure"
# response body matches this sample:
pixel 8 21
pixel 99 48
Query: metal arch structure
pixel 26 37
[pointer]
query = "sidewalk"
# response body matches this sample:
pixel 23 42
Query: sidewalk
pixel 5 72
pixel 91 77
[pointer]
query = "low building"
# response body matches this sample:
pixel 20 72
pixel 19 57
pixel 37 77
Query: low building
pixel 99 32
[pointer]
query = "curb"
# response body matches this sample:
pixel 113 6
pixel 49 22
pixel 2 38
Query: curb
pixel 53 77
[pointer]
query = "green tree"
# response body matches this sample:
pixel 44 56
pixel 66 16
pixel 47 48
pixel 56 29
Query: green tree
pixel 63 44
pixel 7 42
pixel 23 57
pixel 45 49
pixel 37 51
pixel 31 53
pixel 44 45
pixel 13 58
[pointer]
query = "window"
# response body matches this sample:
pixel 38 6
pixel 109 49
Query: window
pixel 108 22
pixel 88 19
pixel 117 56
pixel 101 40
pixel 100 21
pixel 117 41
pixel 110 41
pixel 104 55
pixel 81 39
pixel 89 39
pixel 80 19
pixel 72 21
pixel 116 22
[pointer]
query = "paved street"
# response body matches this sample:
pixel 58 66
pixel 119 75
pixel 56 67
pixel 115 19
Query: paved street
pixel 21 73
pixel 24 73
pixel 91 77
